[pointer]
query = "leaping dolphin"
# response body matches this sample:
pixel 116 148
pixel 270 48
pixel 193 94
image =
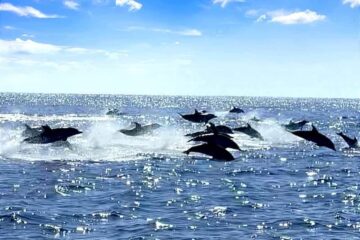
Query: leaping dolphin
pixel 316 137
pixel 248 130
pixel 49 135
pixel 217 139
pixel 236 110
pixel 352 142
pixel 140 130
pixel 212 129
pixel 198 117
pixel 215 151
pixel 292 126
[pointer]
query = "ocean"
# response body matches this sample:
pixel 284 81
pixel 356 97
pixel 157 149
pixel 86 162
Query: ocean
pixel 107 185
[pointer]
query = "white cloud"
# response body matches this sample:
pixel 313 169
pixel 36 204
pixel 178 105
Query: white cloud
pixel 300 17
pixel 191 32
pixel 262 18
pixel 353 3
pixel 72 4
pixel 25 11
pixel 27 47
pixel 223 3
pixel 132 4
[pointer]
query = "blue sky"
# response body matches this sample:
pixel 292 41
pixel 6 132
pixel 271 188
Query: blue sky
pixel 295 48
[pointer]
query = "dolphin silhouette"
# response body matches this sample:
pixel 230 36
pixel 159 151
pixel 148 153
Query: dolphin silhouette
pixel 248 130
pixel 140 130
pixel 316 137
pixel 212 129
pixel 217 139
pixel 49 135
pixel 198 117
pixel 236 110
pixel 215 151
pixel 352 142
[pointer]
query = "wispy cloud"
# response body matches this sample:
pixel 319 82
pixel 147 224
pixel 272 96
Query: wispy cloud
pixel 224 3
pixel 132 4
pixel 71 4
pixel 287 18
pixel 25 11
pixel 30 47
pixel 190 32
pixel 352 3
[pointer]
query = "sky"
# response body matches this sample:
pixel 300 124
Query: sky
pixel 280 48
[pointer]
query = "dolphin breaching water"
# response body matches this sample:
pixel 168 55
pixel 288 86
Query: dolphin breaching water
pixel 236 110
pixel 248 130
pixel 213 150
pixel 212 129
pixel 49 135
pixel 217 139
pixel 292 126
pixel 198 117
pixel 351 142
pixel 140 130
pixel 316 137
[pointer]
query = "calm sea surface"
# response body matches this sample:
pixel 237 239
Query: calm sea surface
pixel 111 186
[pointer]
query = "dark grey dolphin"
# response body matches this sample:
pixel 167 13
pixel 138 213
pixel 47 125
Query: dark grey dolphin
pixel 295 125
pixel 217 139
pixel 114 112
pixel 316 137
pixel 212 129
pixel 140 130
pixel 198 117
pixel 212 150
pixel 31 132
pixel 352 142
pixel 236 110
pixel 248 130
pixel 50 135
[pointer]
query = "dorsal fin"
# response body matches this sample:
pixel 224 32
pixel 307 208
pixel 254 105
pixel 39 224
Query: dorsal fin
pixel 314 129
pixel 196 111
pixel 27 126
pixel 137 125
pixel 355 139
pixel 248 125
pixel 46 128
pixel 213 128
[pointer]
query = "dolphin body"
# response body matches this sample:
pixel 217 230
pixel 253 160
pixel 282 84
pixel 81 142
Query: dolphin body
pixel 212 129
pixel 140 130
pixel 114 112
pixel 248 130
pixel 217 139
pixel 49 135
pixel 316 137
pixel 198 117
pixel 236 110
pixel 292 126
pixel 31 132
pixel 215 151
pixel 352 142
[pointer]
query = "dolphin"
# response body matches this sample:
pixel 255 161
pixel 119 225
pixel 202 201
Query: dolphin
pixel 217 139
pixel 31 132
pixel 295 125
pixel 49 135
pixel 198 117
pixel 212 129
pixel 236 110
pixel 140 130
pixel 248 130
pixel 114 112
pixel 212 150
pixel 352 142
pixel 316 137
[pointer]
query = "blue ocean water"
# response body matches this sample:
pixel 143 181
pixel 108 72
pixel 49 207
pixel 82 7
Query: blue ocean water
pixel 112 186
